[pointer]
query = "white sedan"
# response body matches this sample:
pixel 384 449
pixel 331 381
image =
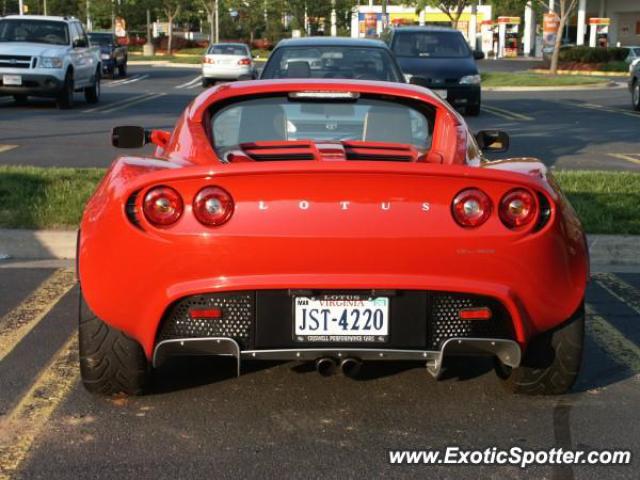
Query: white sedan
pixel 227 61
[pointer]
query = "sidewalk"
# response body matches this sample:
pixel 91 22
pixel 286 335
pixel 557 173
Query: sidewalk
pixel 618 252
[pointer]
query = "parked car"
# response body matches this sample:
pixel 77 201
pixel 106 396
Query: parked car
pixel 634 85
pixel 47 57
pixel 227 61
pixel 334 222
pixel 113 55
pixel 440 59
pixel 634 54
pixel 332 57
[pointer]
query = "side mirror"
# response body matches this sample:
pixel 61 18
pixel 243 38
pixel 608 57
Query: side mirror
pixel 418 80
pixel 79 43
pixel 478 55
pixel 129 136
pixel 495 141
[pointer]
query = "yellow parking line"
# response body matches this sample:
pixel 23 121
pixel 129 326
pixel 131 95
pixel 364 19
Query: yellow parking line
pixel 621 349
pixel 620 289
pixel 6 148
pixel 508 113
pixel 22 426
pixel 626 156
pixel 593 106
pixel 16 324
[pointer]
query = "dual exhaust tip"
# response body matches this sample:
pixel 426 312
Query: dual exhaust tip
pixel 327 366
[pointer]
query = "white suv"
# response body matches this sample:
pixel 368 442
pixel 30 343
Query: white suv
pixel 47 57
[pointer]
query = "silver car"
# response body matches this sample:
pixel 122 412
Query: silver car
pixel 227 61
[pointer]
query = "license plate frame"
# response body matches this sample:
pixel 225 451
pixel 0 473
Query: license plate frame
pixel 12 80
pixel 374 312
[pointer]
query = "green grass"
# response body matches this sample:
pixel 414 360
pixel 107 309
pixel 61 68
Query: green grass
pixel 606 202
pixel 30 197
pixel 45 197
pixel 525 79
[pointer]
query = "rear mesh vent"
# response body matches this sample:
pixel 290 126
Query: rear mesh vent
pixel 447 324
pixel 236 321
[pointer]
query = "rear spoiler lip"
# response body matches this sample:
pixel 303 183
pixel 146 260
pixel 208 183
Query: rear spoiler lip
pixel 177 172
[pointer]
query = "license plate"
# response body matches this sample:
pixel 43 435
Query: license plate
pixel 441 93
pixel 341 318
pixel 11 80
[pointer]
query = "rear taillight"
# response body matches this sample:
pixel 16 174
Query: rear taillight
pixel 162 206
pixel 471 207
pixel 518 208
pixel 244 61
pixel 213 206
pixel 208 60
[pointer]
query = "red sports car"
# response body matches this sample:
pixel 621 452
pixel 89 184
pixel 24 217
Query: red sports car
pixel 329 221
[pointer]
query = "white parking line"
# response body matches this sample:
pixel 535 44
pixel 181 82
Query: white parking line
pixel 125 81
pixel 153 96
pixel 119 103
pixel 190 84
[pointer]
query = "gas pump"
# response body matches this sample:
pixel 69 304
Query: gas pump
pixel 508 36
pixel 599 32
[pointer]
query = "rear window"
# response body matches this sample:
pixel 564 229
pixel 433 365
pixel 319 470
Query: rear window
pixel 431 45
pixel 332 62
pixel 34 31
pixel 286 119
pixel 228 50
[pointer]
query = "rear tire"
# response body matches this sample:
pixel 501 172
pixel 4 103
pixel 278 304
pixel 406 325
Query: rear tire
pixel 551 362
pixel 92 93
pixel 635 95
pixel 473 110
pixel 64 101
pixel 110 361
pixel 206 82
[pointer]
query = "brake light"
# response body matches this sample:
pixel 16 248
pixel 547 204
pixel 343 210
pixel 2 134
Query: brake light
pixel 208 60
pixel 162 206
pixel 471 207
pixel 479 313
pixel 213 206
pixel 518 208
pixel 244 61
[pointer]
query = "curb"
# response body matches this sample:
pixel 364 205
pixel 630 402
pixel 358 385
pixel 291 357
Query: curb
pixel 620 250
pixel 586 73
pixel 596 86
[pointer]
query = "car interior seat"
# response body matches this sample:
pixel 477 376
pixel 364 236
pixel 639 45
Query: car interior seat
pixel 298 69
pixel 388 124
pixel 262 123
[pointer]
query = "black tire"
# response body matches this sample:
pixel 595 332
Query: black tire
pixel 122 69
pixel 635 95
pixel 20 99
pixel 472 110
pixel 551 362
pixel 64 101
pixel 92 93
pixel 110 361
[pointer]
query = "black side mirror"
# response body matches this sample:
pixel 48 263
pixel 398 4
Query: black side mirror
pixel 478 55
pixel 79 43
pixel 495 141
pixel 129 136
pixel 418 80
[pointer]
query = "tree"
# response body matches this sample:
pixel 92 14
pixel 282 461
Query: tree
pixel 566 8
pixel 171 9
pixel 211 7
pixel 451 8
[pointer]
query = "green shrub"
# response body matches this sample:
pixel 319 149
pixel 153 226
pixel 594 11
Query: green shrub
pixel 593 55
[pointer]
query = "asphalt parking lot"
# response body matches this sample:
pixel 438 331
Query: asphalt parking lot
pixel 283 418
pixel 591 129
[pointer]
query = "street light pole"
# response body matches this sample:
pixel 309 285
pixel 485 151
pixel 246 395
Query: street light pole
pixel 21 6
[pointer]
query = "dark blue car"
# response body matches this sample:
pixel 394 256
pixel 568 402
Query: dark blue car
pixel 113 56
pixel 440 59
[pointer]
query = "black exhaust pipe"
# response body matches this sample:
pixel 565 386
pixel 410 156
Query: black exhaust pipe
pixel 350 367
pixel 326 366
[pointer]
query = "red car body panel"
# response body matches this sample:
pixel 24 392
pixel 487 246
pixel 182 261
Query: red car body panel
pixel 290 227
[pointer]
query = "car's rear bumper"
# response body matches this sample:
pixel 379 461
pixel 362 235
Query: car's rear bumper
pixel 222 72
pixel 464 95
pixel 32 84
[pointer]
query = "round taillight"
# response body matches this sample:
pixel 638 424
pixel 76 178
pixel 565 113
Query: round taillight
pixel 518 208
pixel 471 207
pixel 162 206
pixel 213 206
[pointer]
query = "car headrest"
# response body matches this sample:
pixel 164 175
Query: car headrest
pixel 298 69
pixel 386 124
pixel 262 123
